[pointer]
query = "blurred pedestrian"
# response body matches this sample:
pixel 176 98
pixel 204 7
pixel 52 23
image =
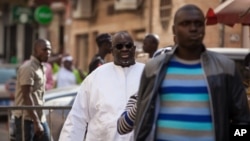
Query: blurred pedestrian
pixel 68 75
pixel 103 96
pixel 104 47
pixel 50 83
pixel 150 44
pixel 190 93
pixel 30 90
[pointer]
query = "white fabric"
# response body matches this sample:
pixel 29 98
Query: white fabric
pixel 99 103
pixel 67 58
pixel 65 78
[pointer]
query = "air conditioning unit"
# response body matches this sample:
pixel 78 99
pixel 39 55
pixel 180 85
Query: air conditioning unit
pixel 82 9
pixel 126 4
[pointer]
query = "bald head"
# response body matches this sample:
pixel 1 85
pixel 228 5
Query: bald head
pixel 38 44
pixel 188 7
pixel 121 34
pixel 42 50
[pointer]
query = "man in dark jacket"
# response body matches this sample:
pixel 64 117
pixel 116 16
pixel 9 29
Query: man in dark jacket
pixel 190 93
pixel 104 47
pixel 150 44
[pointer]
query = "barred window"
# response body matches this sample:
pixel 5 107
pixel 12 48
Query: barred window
pixel 165 12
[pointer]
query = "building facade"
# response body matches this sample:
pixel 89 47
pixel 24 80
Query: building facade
pixel 147 16
pixel 76 23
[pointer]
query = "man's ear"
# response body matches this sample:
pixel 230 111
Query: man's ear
pixel 173 30
pixel 174 38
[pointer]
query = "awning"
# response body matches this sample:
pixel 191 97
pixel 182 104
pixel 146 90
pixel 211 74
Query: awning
pixel 230 12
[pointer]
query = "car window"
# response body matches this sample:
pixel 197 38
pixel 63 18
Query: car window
pixel 60 101
pixel 6 74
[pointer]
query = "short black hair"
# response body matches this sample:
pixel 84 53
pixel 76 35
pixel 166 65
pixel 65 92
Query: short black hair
pixel 154 38
pixel 187 8
pixel 101 38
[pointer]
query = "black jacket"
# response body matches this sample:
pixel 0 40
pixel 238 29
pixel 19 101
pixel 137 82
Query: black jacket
pixel 95 62
pixel 228 98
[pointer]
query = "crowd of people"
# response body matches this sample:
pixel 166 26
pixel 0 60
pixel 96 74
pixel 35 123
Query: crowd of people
pixel 182 92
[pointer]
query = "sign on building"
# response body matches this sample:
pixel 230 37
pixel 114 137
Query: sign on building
pixel 43 14
pixel 22 14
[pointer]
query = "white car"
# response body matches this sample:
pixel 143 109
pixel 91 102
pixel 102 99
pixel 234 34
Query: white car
pixel 59 97
pixel 7 87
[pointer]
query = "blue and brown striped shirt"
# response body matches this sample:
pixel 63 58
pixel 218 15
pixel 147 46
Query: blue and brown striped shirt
pixel 185 113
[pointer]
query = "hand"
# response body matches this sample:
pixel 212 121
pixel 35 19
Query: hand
pixel 39 131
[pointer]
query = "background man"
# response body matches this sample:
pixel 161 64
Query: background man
pixel 103 96
pixel 150 44
pixel 104 47
pixel 68 75
pixel 30 90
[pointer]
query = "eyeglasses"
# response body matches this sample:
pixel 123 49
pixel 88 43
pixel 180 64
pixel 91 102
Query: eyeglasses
pixel 127 45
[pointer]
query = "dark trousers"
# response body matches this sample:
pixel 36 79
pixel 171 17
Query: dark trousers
pixel 29 131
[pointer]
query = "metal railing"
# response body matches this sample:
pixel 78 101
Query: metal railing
pixel 48 111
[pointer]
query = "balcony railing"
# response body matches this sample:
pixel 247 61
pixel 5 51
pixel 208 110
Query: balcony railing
pixel 62 112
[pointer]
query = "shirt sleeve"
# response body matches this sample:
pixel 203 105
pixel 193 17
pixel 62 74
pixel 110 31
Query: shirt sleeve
pixel 126 121
pixel 76 123
pixel 26 75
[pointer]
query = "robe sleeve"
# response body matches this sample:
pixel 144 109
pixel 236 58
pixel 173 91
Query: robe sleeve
pixel 74 127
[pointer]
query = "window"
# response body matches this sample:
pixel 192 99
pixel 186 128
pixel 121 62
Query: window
pixel 165 12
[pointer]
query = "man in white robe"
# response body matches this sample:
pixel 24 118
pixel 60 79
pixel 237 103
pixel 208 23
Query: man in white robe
pixel 103 96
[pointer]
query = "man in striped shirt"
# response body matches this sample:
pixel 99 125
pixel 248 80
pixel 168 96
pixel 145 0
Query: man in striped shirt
pixel 189 93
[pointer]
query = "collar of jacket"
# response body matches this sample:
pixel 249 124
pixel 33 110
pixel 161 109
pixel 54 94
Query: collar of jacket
pixel 154 66
pixel 168 55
